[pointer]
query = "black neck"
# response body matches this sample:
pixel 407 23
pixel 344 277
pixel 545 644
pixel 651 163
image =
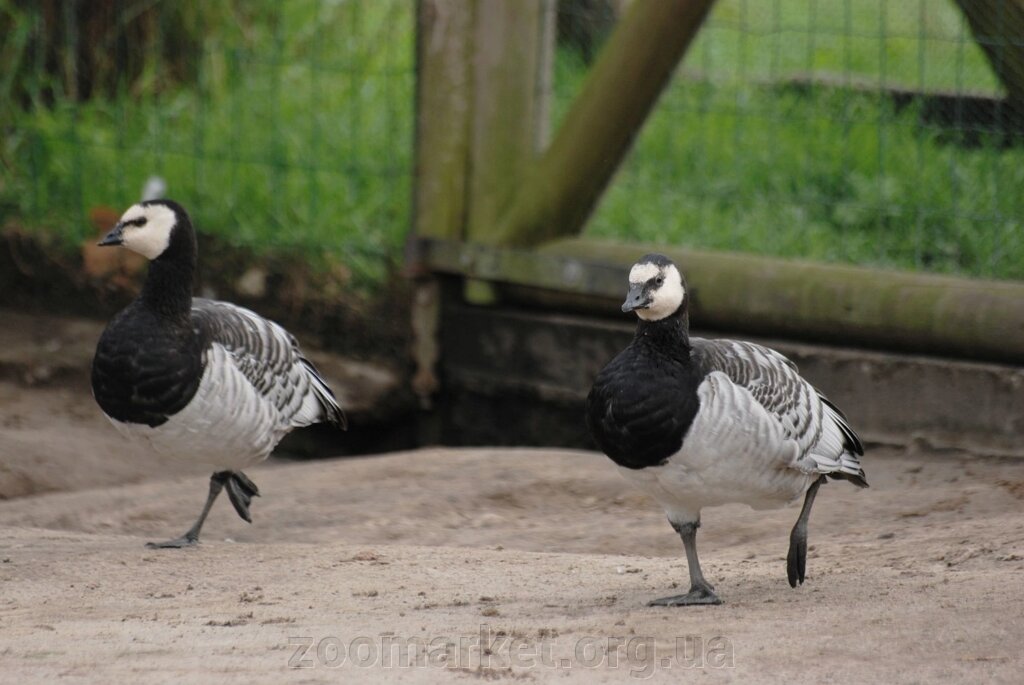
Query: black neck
pixel 168 286
pixel 671 334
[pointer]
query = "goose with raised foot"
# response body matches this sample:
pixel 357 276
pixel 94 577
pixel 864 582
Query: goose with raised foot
pixel 199 379
pixel 697 423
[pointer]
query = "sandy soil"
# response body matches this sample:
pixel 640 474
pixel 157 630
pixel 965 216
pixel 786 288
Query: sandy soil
pixel 54 438
pixel 474 564
pixel 543 558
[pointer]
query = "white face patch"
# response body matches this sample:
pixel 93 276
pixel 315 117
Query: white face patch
pixel 641 273
pixel 151 238
pixel 665 300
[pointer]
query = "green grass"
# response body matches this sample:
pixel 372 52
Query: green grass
pixel 728 161
pixel 780 177
pixel 298 136
pixel 923 44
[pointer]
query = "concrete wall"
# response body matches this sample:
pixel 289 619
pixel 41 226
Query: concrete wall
pixel 513 376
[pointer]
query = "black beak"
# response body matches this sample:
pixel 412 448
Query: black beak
pixel 115 237
pixel 636 298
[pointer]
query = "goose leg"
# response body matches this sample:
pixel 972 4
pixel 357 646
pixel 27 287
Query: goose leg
pixel 701 591
pixel 796 560
pixel 190 538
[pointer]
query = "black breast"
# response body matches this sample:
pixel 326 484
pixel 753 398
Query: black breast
pixel 642 405
pixel 146 369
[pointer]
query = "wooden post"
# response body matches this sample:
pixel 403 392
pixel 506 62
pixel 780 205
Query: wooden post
pixel 479 121
pixel 479 109
pixel 443 107
pixel 507 105
pixel 998 28
pixel 510 51
pixel 632 70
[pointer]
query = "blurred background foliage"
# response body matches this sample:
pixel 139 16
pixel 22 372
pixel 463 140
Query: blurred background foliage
pixel 280 125
pixel 862 131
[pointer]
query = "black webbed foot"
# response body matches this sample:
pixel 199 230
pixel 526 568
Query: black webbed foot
pixel 186 540
pixel 241 490
pixel 702 594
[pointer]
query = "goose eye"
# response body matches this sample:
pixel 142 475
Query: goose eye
pixel 659 280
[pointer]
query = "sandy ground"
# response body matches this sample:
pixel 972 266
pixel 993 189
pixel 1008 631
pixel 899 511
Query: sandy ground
pixel 495 564
pixel 479 564
pixel 54 438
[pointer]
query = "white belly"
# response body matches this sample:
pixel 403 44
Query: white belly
pixel 688 482
pixel 733 452
pixel 227 425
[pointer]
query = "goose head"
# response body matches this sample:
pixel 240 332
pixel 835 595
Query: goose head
pixel 657 289
pixel 148 228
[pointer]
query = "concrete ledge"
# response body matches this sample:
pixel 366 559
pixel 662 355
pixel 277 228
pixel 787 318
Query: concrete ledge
pixel 531 372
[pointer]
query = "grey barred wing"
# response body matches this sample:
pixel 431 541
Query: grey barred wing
pixel 772 380
pixel 269 358
pixel 826 442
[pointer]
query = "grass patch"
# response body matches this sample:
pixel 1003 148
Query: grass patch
pixel 925 44
pixel 784 176
pixel 297 136
pixel 730 161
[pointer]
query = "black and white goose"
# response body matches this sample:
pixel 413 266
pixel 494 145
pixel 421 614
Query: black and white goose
pixel 199 379
pixel 698 423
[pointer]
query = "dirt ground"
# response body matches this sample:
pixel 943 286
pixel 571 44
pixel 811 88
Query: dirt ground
pixel 487 564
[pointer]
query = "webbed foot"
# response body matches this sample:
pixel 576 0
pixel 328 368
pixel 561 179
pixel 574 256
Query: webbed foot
pixel 702 594
pixel 185 540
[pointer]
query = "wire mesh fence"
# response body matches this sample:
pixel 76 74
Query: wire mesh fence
pixel 864 131
pixel 278 124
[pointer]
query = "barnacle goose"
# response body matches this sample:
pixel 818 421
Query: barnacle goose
pixel 200 379
pixel 699 423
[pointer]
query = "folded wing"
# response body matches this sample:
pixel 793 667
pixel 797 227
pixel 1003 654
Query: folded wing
pixel 270 360
pixel 816 434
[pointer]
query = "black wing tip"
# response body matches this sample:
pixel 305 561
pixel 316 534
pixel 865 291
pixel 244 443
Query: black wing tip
pixel 852 439
pixel 853 442
pixel 333 413
pixel 858 479
pixel 336 417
